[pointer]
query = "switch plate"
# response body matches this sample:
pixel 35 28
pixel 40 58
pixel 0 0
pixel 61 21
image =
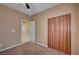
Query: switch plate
pixel 0 45
pixel 13 30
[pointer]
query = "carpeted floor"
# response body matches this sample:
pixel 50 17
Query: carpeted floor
pixel 30 49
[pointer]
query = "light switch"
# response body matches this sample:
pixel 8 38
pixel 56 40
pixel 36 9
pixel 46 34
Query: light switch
pixel 13 30
pixel 0 45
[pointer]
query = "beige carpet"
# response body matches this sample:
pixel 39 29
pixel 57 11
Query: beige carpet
pixel 30 49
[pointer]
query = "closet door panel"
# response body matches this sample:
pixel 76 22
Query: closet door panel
pixel 56 33
pixel 49 33
pixel 59 33
pixel 69 33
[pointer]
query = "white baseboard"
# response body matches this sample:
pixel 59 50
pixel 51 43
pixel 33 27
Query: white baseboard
pixel 20 44
pixel 12 46
pixel 40 44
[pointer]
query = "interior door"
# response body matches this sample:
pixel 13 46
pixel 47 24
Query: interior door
pixel 59 33
pixel 32 31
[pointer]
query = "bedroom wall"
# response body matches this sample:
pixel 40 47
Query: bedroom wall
pixel 41 20
pixel 77 11
pixel 10 26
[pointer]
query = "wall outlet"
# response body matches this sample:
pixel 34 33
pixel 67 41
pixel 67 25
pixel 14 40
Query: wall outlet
pixel 0 45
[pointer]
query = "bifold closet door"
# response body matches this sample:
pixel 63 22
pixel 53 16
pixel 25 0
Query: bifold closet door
pixel 59 33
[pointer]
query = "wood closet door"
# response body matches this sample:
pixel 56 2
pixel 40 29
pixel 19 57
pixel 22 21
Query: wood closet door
pixel 59 33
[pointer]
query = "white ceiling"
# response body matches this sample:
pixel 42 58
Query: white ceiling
pixel 34 7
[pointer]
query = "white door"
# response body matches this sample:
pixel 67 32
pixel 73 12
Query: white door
pixel 32 31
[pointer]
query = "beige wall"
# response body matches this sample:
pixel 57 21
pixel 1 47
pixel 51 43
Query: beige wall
pixel 41 20
pixel 10 20
pixel 77 11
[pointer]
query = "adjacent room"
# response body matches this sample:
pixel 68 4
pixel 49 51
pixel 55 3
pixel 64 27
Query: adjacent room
pixel 39 29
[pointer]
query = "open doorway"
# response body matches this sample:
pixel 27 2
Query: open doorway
pixel 25 24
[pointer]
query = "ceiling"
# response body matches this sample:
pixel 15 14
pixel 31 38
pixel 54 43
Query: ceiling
pixel 34 7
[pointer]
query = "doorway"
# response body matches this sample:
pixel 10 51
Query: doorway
pixel 25 24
